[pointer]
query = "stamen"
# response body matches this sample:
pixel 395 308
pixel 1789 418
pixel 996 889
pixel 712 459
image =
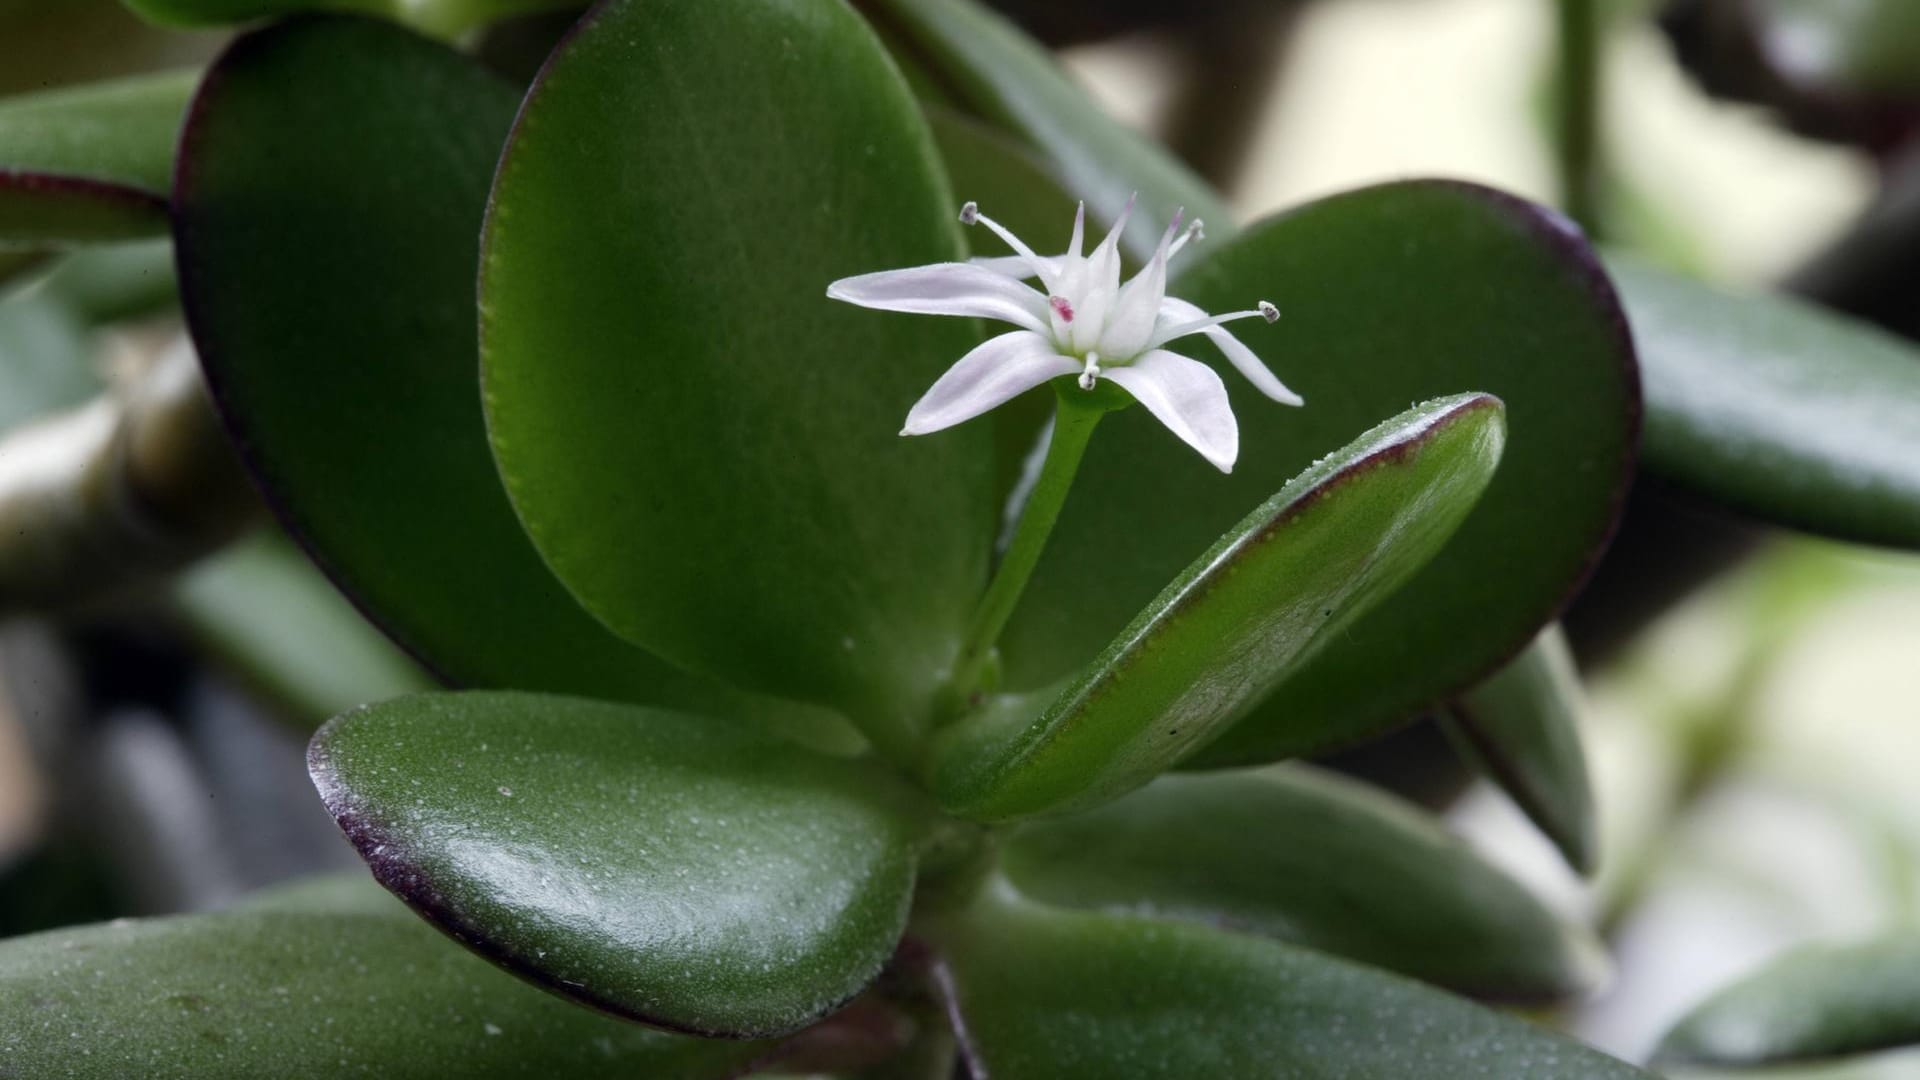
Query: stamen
pixel 1061 307
pixel 1090 374
pixel 970 215
pixel 1264 311
pixel 1269 312
pixel 1196 230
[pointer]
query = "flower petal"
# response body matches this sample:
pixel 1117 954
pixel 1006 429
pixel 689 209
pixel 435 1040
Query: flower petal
pixel 996 371
pixel 1130 324
pixel 1188 397
pixel 946 289
pixel 1017 266
pixel 1174 310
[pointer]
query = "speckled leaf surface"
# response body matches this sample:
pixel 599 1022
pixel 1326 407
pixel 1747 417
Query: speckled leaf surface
pixel 696 874
pixel 705 447
pixel 1388 295
pixel 1814 1003
pixel 1778 408
pixel 1308 857
pixel 1521 729
pixel 316 982
pixel 1039 992
pixel 90 163
pixel 1299 570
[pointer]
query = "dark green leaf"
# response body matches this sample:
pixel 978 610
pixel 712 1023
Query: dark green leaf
pixel 693 873
pixel 1308 857
pixel 1298 570
pixel 700 442
pixel 1521 729
pixel 313 983
pixel 1070 996
pixel 443 17
pixel 1775 407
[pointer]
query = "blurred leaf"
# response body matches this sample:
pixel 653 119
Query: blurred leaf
pixel 1816 1002
pixel 1300 568
pixel 1307 857
pixel 702 444
pixel 1389 295
pixel 442 17
pixel 1071 996
pixel 1777 408
pixel 263 609
pixel 45 361
pixel 116 282
pixel 1014 82
pixel 89 164
pixel 310 983
pixel 1521 729
pixel 692 873
pixel 1869 47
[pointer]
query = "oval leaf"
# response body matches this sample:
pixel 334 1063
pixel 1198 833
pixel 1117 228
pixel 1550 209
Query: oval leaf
pixel 1521 729
pixel 1390 294
pixel 1778 408
pixel 1816 1002
pixel 1307 857
pixel 1073 996
pixel 700 442
pixel 693 874
pixel 444 17
pixel 310 983
pixel 1296 571
pixel 92 163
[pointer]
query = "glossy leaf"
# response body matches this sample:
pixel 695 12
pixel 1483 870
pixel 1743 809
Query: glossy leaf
pixel 334 317
pixel 702 444
pixel 1816 1002
pixel 444 17
pixel 1297 571
pixel 1305 856
pixel 318 981
pixel 1073 996
pixel 1388 295
pixel 1778 408
pixel 1521 729
pixel 694 874
pixel 1014 82
pixel 91 163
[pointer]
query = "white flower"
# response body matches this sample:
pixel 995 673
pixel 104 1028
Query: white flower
pixel 1086 323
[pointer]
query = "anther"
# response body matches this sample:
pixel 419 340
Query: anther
pixel 1091 373
pixel 1269 312
pixel 969 213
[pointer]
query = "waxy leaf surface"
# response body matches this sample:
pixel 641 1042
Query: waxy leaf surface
pixel 321 980
pixel 1777 408
pixel 1297 571
pixel 1075 996
pixel 704 446
pixel 1388 295
pixel 1521 729
pixel 1308 857
pixel 696 874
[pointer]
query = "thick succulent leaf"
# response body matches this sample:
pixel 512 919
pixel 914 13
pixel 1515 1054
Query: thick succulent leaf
pixel 1075 996
pixel 45 360
pixel 1778 408
pixel 1388 295
pixel 1521 729
pixel 445 17
pixel 1297 571
pixel 334 317
pixel 1816 1002
pixel 322 980
pixel 998 72
pixel 1308 857
pixel 702 444
pixel 116 282
pixel 696 874
pixel 89 164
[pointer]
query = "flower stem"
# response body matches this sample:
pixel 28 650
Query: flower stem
pixel 1074 418
pixel 1582 32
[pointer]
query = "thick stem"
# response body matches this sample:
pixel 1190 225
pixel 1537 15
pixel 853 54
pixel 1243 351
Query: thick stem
pixel 1577 108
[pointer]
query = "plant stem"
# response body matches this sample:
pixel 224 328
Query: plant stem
pixel 1577 108
pixel 1074 419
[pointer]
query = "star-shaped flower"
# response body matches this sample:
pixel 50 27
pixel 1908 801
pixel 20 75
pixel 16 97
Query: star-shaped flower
pixel 1085 323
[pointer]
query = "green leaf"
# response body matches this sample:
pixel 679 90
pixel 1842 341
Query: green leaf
pixel 1299 569
pixel 89 164
pixel 695 874
pixel 700 442
pixel 328 222
pixel 1869 48
pixel 45 360
pixel 1521 729
pixel 310 983
pixel 1013 81
pixel 1389 294
pixel 1778 408
pixel 1308 857
pixel 1071 996
pixel 116 282
pixel 441 17
pixel 1816 1002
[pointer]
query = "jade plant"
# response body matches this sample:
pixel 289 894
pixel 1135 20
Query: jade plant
pixel 829 688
